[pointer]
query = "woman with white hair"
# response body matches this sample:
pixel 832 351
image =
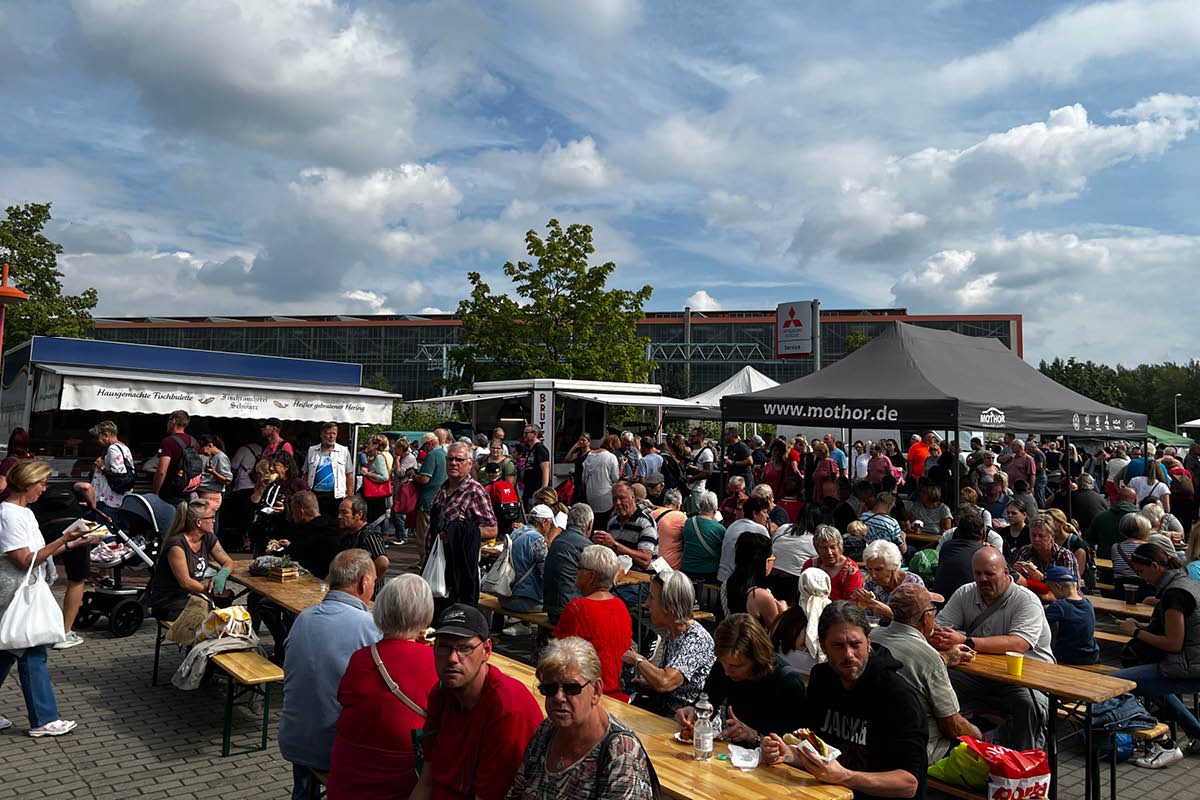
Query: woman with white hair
pixel 689 650
pixel 882 559
pixel 383 695
pixel 579 750
pixel 844 574
pixel 598 615
pixel 702 540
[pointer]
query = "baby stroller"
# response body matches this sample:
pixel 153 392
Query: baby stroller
pixel 144 519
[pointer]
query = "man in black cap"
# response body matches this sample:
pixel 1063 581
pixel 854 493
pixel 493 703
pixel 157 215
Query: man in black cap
pixel 479 719
pixel 272 440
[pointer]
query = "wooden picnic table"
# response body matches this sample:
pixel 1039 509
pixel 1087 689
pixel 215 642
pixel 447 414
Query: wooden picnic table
pixel 926 539
pixel 1118 607
pixel 682 776
pixel 1104 563
pixel 1058 682
pixel 295 595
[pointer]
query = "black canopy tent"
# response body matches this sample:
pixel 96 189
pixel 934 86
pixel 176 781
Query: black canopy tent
pixel 912 377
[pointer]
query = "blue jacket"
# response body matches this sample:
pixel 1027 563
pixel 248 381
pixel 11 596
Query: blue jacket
pixel 529 561
pixel 319 647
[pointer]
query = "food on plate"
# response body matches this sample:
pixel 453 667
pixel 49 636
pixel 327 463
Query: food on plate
pixel 687 732
pixel 273 545
pixel 801 735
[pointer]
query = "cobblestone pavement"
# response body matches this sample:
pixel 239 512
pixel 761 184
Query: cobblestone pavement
pixel 138 741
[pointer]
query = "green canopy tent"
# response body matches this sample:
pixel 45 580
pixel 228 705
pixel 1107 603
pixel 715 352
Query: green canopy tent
pixel 1164 436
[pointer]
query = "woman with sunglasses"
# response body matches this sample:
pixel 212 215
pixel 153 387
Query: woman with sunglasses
pixel 580 750
pixel 1170 643
pixel 190 555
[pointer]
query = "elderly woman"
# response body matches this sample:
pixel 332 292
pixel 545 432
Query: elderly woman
pixel 24 549
pixel 529 550
pixel 883 576
pixel 599 615
pixel 746 589
pixel 377 477
pixel 579 750
pixel 934 515
pixel 689 652
pixel 761 692
pixel 1162 522
pixel 1034 560
pixel 702 540
pixel 844 575
pixel 372 756
pixel 189 557
pixel 1172 638
pixel 1134 530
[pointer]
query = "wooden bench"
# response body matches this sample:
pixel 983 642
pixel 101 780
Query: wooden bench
pixel 160 636
pixel 1111 638
pixel 491 603
pixel 248 674
pixel 956 791
pixel 317 781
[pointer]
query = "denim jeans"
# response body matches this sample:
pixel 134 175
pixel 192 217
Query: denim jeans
pixel 1039 489
pixel 398 525
pixel 1151 683
pixel 300 781
pixel 35 684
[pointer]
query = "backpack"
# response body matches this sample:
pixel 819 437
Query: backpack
pixel 185 476
pixel 505 501
pixel 122 482
pixel 671 472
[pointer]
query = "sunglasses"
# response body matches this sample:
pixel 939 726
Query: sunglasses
pixel 569 689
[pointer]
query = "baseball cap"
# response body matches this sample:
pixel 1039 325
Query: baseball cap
pixel 541 511
pixel 1060 575
pixel 655 479
pixel 908 600
pixel 462 620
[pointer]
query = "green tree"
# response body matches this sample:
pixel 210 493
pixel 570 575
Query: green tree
pixel 405 416
pixel 563 322
pixel 855 340
pixel 1097 381
pixel 34 270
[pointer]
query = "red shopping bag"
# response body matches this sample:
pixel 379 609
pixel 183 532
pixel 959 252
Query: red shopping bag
pixel 1012 774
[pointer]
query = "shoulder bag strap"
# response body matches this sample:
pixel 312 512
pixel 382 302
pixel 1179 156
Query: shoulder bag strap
pixel 391 684
pixel 990 610
pixel 696 530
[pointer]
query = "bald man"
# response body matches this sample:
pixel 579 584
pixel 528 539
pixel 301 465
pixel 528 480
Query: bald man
pixel 1017 624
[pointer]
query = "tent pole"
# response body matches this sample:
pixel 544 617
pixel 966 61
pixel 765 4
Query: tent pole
pixel 1062 459
pixel 846 442
pixel 957 471
pixel 721 457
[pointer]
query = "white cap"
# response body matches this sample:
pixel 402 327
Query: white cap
pixel 541 511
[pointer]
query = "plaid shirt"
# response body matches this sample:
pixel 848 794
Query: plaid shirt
pixel 470 502
pixel 1059 556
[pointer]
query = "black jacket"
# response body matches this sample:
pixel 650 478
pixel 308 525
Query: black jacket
pixel 462 562
pixel 315 544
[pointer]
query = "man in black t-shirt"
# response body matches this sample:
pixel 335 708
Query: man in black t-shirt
pixel 739 460
pixel 537 464
pixel 859 702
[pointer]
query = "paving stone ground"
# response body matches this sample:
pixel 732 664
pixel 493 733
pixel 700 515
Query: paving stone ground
pixel 138 741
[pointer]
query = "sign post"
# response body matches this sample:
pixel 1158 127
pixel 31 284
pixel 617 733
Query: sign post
pixel 542 414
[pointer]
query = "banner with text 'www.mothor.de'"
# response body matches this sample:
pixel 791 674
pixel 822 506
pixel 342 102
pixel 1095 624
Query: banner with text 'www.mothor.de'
pixel 843 412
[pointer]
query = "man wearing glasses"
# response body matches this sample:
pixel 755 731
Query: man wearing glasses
pixel 907 638
pixel 479 719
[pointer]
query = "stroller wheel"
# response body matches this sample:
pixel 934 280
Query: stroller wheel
pixel 126 618
pixel 86 619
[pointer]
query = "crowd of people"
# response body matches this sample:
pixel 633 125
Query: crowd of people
pixel 845 569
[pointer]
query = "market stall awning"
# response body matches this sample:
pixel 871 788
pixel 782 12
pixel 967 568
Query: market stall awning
pixel 1164 436
pixel 90 389
pixel 472 397
pixel 654 400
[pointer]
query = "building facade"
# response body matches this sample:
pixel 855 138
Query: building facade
pixel 694 350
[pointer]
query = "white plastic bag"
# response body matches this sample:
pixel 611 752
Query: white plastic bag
pixel 435 570
pixel 32 618
pixel 499 578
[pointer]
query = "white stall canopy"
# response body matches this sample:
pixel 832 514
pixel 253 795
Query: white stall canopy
pixel 65 388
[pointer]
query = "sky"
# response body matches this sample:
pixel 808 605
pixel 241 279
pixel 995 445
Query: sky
pixel 226 157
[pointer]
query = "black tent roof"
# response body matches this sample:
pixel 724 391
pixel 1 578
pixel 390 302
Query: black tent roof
pixel 911 377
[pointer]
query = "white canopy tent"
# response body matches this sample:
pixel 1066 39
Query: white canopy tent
pixel 745 380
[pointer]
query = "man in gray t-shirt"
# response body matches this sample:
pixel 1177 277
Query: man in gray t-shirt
pixel 924 668
pixel 1018 625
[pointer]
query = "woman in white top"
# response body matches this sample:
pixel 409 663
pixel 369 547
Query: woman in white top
pixel 600 471
pixel 1152 484
pixel 23 547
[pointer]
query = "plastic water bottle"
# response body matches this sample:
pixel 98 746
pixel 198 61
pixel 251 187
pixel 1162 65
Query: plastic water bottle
pixel 702 735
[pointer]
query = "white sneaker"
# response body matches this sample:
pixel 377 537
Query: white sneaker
pixel 73 640
pixel 1157 757
pixel 61 726
pixel 519 629
pixel 5 722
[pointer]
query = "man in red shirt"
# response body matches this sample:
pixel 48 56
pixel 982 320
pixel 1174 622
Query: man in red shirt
pixel 270 428
pixel 918 453
pixel 170 451
pixel 1021 467
pixel 479 718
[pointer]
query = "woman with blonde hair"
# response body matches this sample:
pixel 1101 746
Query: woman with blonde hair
pixel 24 550
pixel 189 557
pixel 547 496
pixel 1066 535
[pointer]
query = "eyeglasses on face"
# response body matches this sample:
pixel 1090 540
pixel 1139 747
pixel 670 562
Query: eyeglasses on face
pixel 571 689
pixel 463 650
pixel 454 459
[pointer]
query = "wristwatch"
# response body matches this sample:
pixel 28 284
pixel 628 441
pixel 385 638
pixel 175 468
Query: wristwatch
pixel 969 642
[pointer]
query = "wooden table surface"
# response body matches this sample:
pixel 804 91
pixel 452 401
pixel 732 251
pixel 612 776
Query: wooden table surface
pixel 295 595
pixel 682 776
pixel 1111 605
pixel 1061 681
pixel 923 538
pixel 1104 563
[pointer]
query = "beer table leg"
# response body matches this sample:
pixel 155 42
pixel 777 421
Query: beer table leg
pixel 1052 745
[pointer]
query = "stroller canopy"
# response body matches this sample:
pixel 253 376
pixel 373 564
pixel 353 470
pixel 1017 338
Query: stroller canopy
pixel 151 508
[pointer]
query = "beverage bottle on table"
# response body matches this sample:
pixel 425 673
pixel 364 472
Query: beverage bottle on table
pixel 702 736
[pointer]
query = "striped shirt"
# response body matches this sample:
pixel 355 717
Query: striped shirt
pixel 637 533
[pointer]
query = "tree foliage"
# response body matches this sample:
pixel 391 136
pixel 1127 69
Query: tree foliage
pixel 563 322
pixel 33 259
pixel 855 340
pixel 1149 389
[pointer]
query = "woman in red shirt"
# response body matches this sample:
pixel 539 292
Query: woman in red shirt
pixel 599 616
pixel 372 756
pixel 844 575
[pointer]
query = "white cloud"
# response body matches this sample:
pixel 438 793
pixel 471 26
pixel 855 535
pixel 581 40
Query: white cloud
pixel 702 301
pixel 554 170
pixel 596 17
pixel 372 302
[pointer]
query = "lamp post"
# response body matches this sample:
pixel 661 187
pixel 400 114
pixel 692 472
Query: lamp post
pixel 1177 396
pixel 8 294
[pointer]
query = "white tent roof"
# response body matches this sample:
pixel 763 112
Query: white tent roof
pixel 1193 424
pixel 747 379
